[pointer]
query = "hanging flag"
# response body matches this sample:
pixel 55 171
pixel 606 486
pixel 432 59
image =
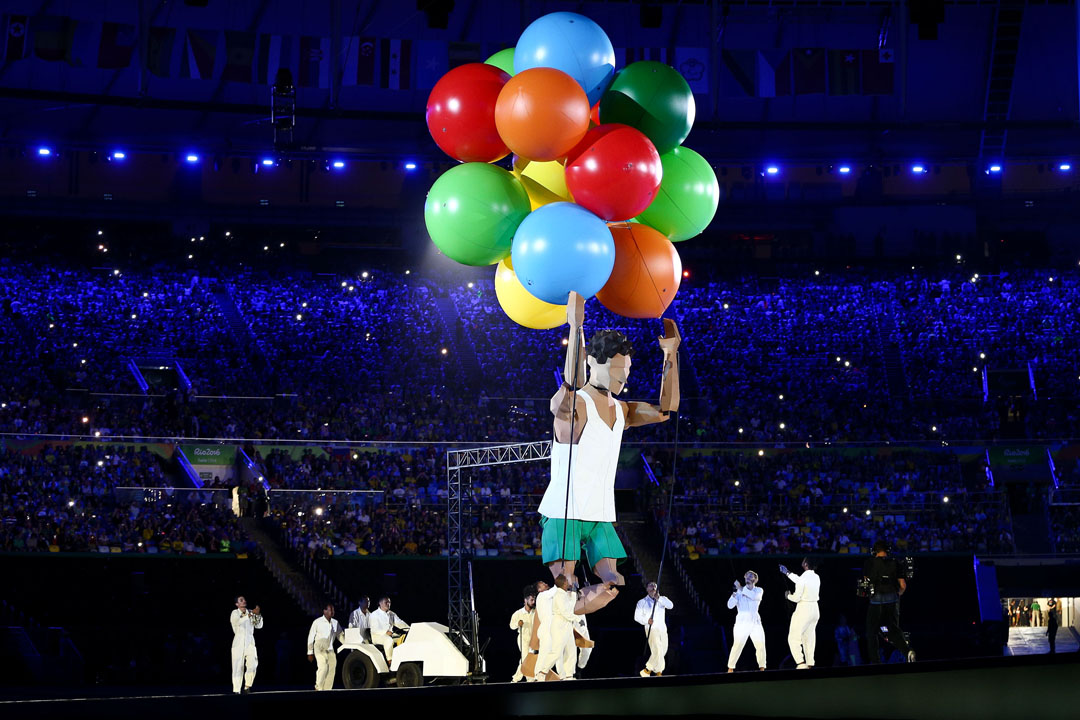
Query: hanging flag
pixel 314 62
pixel 809 70
pixel 693 65
pixel 359 66
pixel 739 77
pixel 773 73
pixel 16 47
pixel 85 44
pixel 200 54
pixel 159 51
pixel 432 62
pixel 275 53
pixel 844 72
pixel 877 74
pixel 395 64
pixel 117 45
pixel 460 53
pixel 53 36
pixel 239 56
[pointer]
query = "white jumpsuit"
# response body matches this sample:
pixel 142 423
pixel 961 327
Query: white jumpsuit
pixel 582 629
pixel 320 643
pixel 555 613
pixel 802 634
pixel 361 619
pixel 525 617
pixel 244 654
pixel 657 635
pixel 747 624
pixel 379 624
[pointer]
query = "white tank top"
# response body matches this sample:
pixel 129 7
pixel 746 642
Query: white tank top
pixel 592 478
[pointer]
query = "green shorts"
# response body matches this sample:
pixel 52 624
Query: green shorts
pixel 599 538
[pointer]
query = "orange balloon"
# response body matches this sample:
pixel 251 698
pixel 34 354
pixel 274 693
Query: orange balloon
pixel 647 272
pixel 541 114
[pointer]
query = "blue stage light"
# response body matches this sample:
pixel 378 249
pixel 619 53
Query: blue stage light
pixel 772 169
pixel 44 151
pixel 995 168
pixel 844 169
pixel 410 166
pixel 192 158
pixel 268 162
pixel 338 164
pixel 1064 167
pixel 119 155
pixel 918 169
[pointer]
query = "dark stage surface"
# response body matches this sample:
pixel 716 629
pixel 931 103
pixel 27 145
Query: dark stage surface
pixel 1035 686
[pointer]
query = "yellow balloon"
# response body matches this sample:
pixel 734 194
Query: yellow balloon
pixel 520 306
pixel 538 194
pixel 550 176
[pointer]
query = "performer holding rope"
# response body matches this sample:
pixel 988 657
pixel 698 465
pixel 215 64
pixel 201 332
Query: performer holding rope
pixel 579 505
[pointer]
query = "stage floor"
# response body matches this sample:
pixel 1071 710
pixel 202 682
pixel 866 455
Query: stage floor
pixel 1042 686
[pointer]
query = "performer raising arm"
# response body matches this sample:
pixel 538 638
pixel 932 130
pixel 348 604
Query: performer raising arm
pixel 579 505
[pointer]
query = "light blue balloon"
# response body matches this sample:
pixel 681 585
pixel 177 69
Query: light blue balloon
pixel 572 43
pixel 562 247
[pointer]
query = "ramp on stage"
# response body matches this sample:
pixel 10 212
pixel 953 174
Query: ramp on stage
pixel 1040 686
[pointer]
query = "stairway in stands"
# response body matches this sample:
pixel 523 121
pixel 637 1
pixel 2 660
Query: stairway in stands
pixel 293 580
pixel 895 379
pixel 464 352
pixel 238 327
pixel 1030 518
pixel 690 629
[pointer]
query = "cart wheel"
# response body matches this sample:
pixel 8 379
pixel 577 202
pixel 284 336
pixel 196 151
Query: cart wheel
pixel 359 672
pixel 410 675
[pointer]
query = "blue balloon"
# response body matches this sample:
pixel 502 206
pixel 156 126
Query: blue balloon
pixel 562 247
pixel 572 43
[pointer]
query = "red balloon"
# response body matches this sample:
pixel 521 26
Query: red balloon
pixel 647 272
pixel 614 172
pixel 461 113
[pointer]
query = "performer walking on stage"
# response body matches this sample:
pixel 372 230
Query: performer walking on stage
pixel 578 507
pixel 555 614
pixel 802 634
pixel 522 622
pixel 747 621
pixel 244 624
pixel 651 612
pixel 320 647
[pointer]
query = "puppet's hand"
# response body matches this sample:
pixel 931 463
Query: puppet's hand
pixel 671 339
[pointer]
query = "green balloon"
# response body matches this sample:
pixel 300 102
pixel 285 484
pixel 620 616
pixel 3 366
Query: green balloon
pixel 472 212
pixel 688 197
pixel 504 60
pixel 655 99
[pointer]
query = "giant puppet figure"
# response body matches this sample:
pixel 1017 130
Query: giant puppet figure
pixel 578 508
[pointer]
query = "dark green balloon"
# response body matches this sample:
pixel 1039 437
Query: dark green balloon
pixel 688 197
pixel 504 60
pixel 655 99
pixel 472 212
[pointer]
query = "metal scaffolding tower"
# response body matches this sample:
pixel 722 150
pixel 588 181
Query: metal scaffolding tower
pixel 463 620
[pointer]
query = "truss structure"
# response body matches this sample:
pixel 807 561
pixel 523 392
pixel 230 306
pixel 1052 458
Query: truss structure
pixel 463 620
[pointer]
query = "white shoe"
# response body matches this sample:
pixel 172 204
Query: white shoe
pixel 802 666
pixel 645 673
pixel 911 656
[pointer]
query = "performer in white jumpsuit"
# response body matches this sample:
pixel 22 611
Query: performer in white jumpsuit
pixel 361 618
pixel 522 622
pixel 244 624
pixel 747 621
pixel 802 634
pixel 651 613
pixel 381 623
pixel 555 613
pixel 320 647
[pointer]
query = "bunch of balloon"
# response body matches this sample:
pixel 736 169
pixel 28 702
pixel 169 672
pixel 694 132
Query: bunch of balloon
pixel 599 187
